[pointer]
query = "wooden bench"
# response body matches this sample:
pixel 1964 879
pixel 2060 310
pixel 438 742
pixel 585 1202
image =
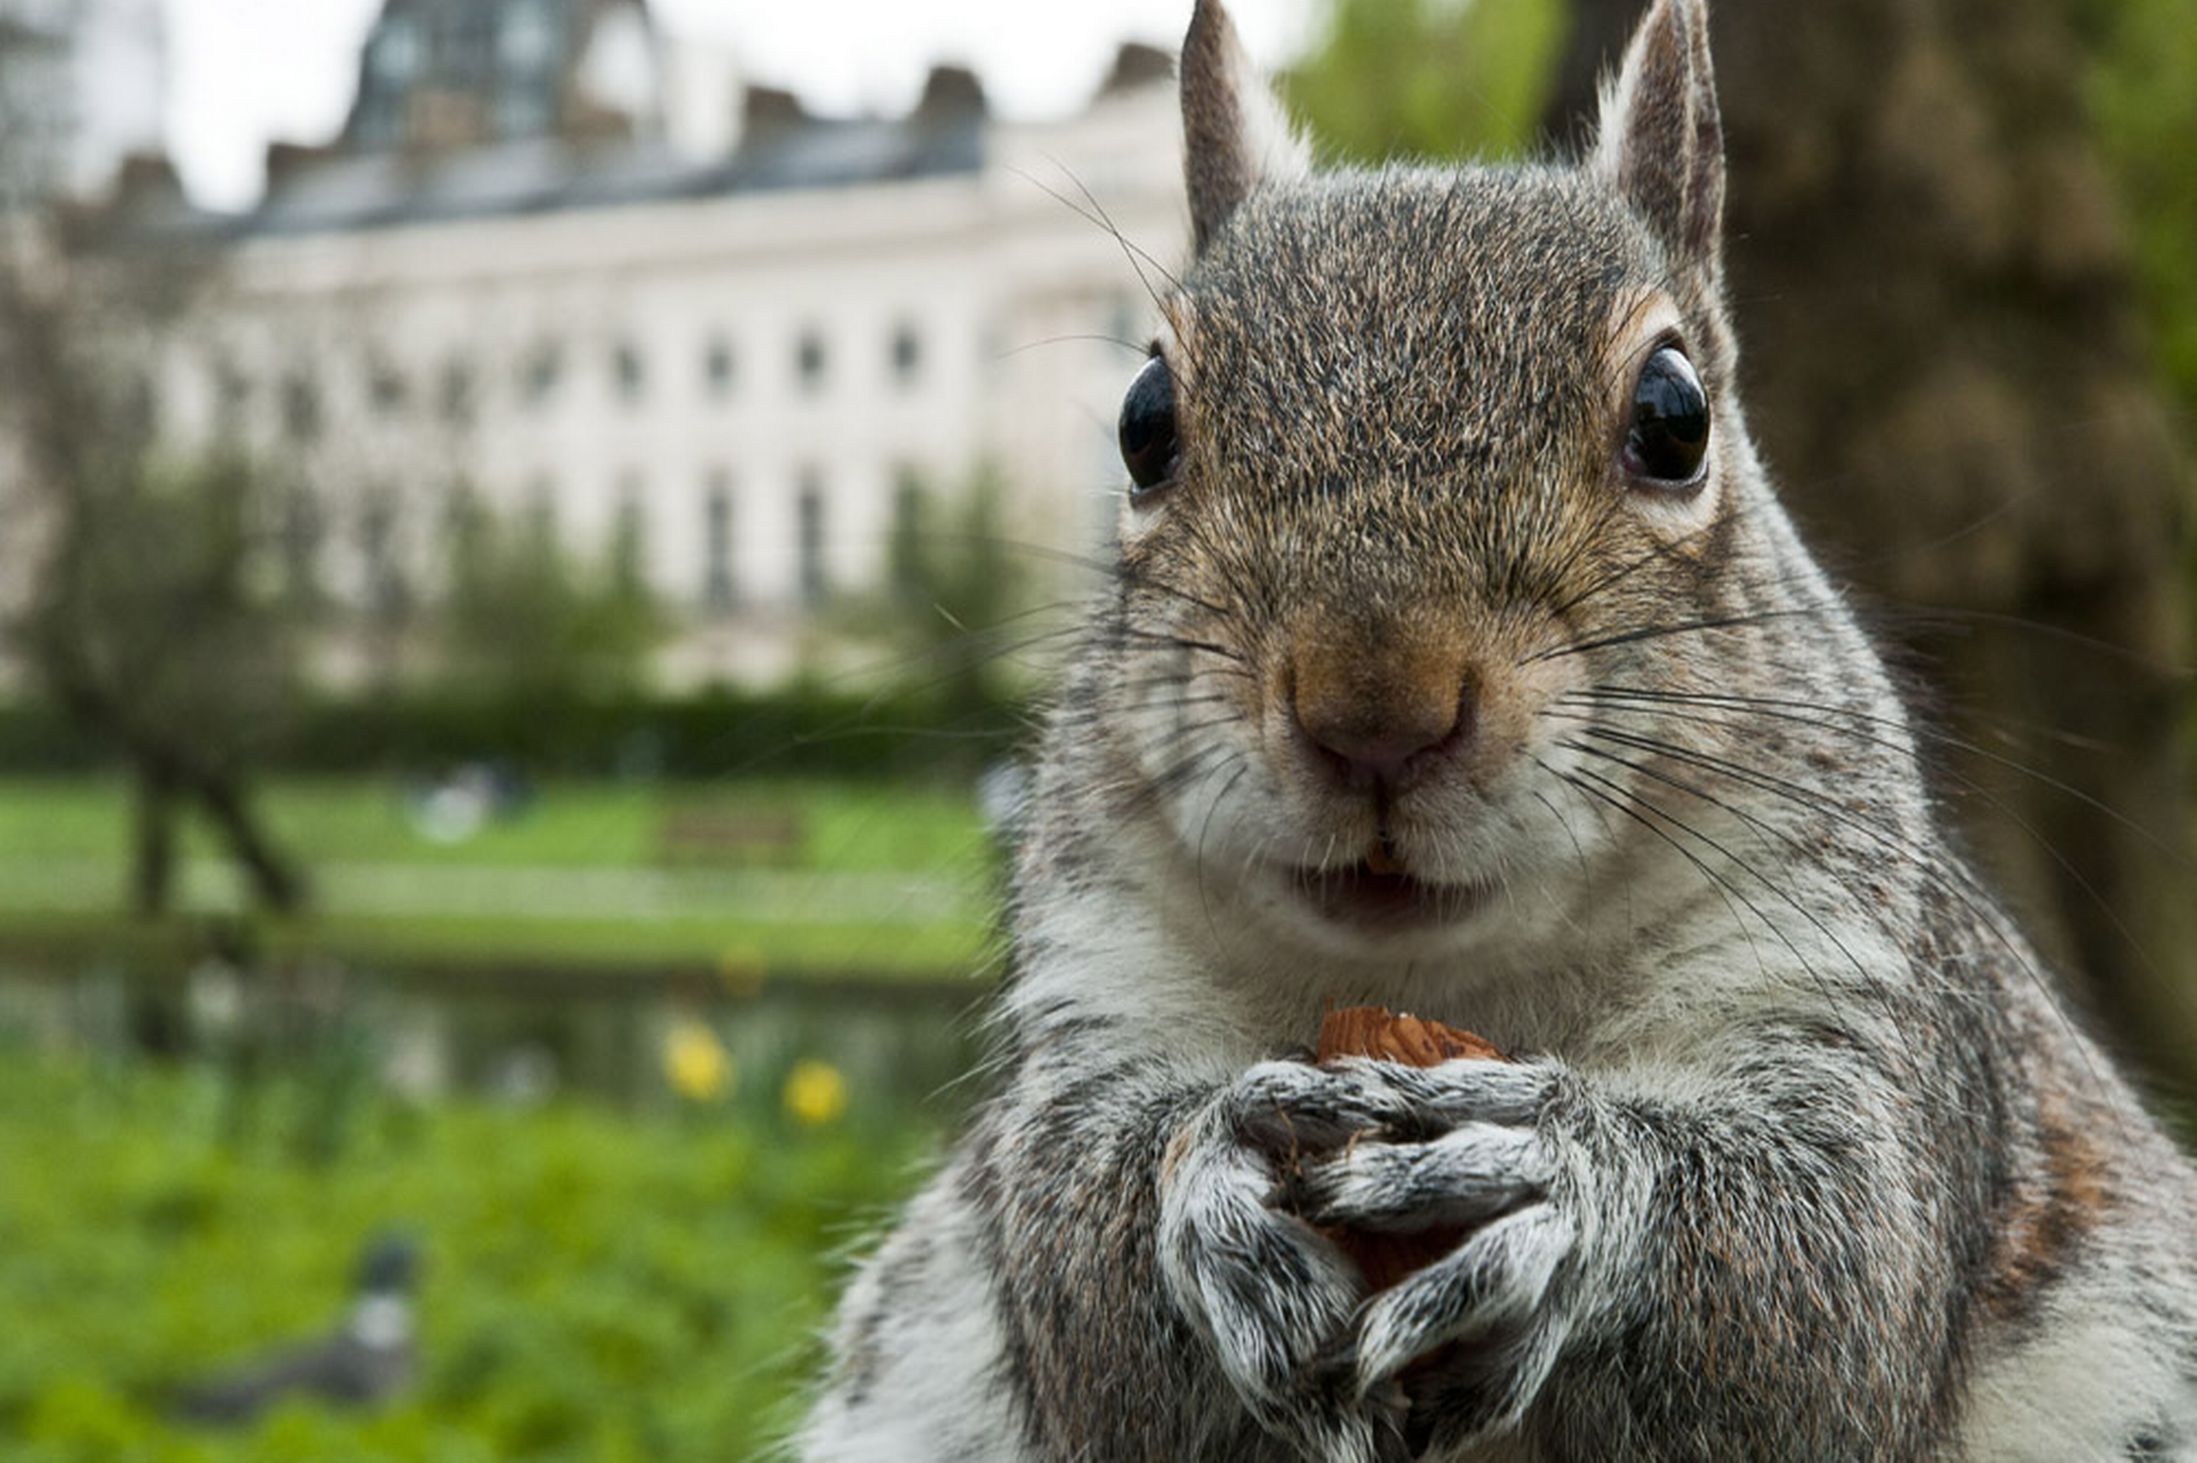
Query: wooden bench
pixel 732 837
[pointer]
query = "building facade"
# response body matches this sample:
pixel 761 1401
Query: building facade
pixel 744 363
pixel 83 85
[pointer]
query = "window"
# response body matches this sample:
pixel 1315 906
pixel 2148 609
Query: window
pixel 907 356
pixel 528 41
pixel 629 538
pixel 811 519
pixel 811 360
pixel 717 584
pixel 385 596
pixel 540 521
pixel 717 367
pixel 232 394
pixel 395 55
pixel 630 371
pixel 465 526
pixel 300 408
pixel 543 369
pixel 907 547
pixel 521 110
pixel 457 394
pixel 301 534
pixel 385 391
pixel 472 40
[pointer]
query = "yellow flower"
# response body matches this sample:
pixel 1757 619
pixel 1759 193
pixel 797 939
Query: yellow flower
pixel 815 1093
pixel 695 1061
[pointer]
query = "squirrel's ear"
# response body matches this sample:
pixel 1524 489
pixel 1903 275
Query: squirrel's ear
pixel 1661 144
pixel 1235 133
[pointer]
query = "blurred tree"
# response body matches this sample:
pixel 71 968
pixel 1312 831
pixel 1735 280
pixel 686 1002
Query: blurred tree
pixel 957 585
pixel 1947 362
pixel 521 619
pixel 1428 78
pixel 138 603
pixel 146 613
pixel 2146 110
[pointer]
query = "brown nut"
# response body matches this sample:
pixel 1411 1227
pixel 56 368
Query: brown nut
pixel 1389 1036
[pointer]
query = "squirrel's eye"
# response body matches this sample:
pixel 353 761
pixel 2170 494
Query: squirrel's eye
pixel 1148 428
pixel 1670 423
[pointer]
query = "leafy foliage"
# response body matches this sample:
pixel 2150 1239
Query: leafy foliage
pixel 596 1288
pixel 1429 78
pixel 2146 114
pixel 957 583
pixel 523 620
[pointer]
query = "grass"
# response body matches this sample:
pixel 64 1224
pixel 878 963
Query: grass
pixel 851 827
pixel 887 880
pixel 597 1286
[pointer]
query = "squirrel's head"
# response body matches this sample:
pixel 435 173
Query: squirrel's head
pixel 1421 454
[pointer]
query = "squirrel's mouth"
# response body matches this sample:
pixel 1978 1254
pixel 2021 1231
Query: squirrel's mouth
pixel 1377 894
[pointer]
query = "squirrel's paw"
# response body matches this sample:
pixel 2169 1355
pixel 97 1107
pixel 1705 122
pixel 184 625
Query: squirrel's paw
pixel 1458 1147
pixel 1492 1295
pixel 1290 1108
pixel 1273 1297
pixel 1473 1172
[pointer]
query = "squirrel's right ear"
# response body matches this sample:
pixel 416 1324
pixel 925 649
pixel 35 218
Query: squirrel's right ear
pixel 1235 133
pixel 1661 143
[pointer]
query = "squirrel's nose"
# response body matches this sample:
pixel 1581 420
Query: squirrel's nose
pixel 1375 714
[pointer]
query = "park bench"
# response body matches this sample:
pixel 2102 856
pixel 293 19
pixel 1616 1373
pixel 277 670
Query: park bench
pixel 735 837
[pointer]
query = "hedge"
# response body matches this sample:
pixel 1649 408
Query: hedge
pixel 713 733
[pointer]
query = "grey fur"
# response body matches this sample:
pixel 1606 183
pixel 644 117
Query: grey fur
pixel 1803 1159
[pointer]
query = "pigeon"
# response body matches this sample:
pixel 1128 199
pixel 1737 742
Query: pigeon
pixel 368 1360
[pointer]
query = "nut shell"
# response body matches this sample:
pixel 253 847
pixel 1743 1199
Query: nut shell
pixel 1390 1036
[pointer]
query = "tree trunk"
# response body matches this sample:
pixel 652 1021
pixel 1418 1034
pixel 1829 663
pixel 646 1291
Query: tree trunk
pixel 1944 362
pixel 152 854
pixel 276 883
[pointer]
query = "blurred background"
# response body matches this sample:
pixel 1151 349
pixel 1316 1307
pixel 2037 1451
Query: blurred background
pixel 532 531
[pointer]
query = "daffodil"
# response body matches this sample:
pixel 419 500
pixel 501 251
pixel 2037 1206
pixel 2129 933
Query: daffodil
pixel 816 1093
pixel 695 1061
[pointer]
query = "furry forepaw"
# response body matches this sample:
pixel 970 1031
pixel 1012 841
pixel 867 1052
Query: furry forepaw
pixel 1273 1296
pixel 1464 1149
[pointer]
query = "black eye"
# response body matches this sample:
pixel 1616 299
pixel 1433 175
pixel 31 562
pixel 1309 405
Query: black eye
pixel 1670 422
pixel 1148 428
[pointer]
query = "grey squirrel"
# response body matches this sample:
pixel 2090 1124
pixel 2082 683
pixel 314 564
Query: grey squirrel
pixel 1461 661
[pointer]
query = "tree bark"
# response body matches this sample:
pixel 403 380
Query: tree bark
pixel 152 856
pixel 1944 362
pixel 276 883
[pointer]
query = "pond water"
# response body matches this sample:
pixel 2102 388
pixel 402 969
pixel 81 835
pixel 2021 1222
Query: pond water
pixel 638 1040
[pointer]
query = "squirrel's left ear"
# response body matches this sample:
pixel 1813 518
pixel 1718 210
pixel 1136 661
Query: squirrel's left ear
pixel 1661 144
pixel 1235 133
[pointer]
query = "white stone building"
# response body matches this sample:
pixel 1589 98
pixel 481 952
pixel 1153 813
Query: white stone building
pixel 741 358
pixel 83 85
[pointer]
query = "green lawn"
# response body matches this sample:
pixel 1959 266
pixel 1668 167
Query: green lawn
pixel 886 880
pixel 597 1287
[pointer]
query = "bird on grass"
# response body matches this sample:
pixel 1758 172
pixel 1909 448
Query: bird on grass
pixel 367 1360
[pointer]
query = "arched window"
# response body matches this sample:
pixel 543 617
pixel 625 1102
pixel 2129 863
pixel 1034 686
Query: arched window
pixel 718 367
pixel 718 590
pixel 907 355
pixel 810 508
pixel 811 360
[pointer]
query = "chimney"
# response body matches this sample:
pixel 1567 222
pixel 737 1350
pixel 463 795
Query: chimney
pixel 286 160
pixel 146 178
pixel 1136 66
pixel 950 94
pixel 767 111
